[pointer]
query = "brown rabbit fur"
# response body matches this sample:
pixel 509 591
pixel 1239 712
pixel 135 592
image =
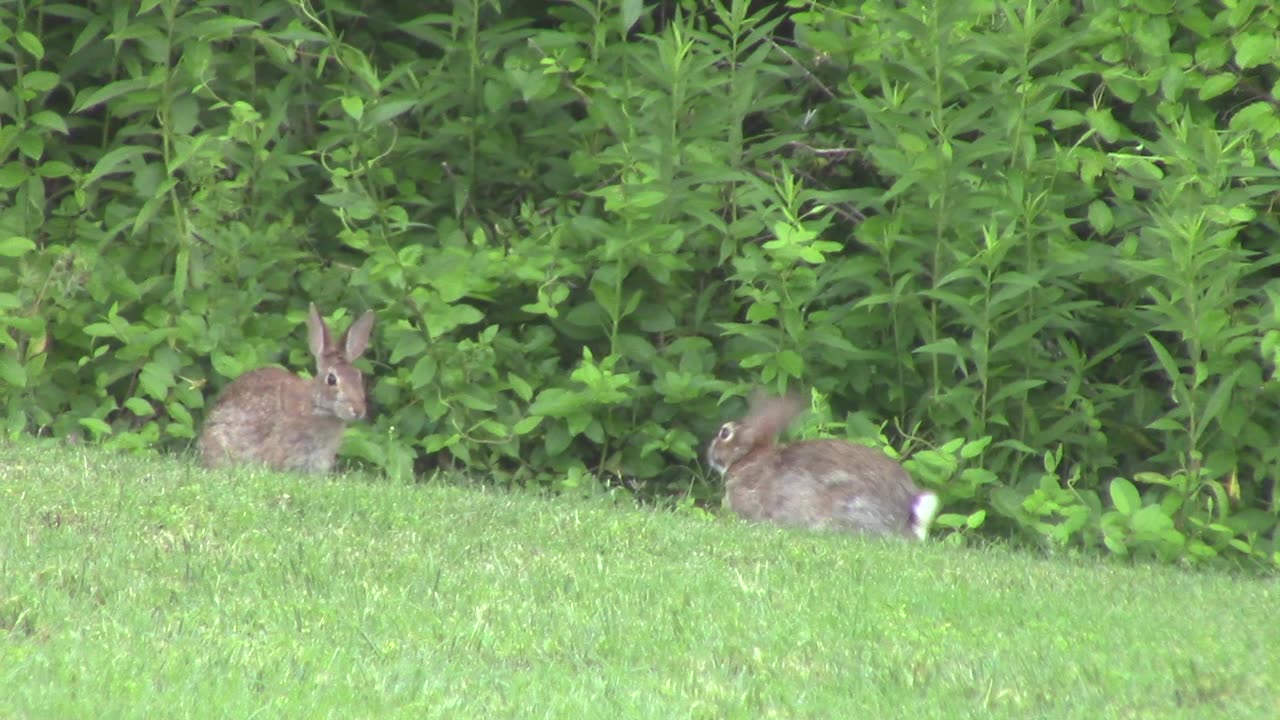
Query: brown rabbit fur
pixel 818 484
pixel 271 417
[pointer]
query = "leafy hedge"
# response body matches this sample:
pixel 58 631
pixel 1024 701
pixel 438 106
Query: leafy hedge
pixel 1029 245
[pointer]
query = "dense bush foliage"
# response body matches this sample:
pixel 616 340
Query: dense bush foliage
pixel 1029 245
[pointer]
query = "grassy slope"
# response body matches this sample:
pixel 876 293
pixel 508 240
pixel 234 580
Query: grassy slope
pixel 144 588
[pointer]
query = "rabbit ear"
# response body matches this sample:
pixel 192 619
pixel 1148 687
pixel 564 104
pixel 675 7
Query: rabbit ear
pixel 317 334
pixel 356 338
pixel 770 415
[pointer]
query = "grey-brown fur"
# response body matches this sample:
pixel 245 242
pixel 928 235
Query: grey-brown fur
pixel 271 417
pixel 818 484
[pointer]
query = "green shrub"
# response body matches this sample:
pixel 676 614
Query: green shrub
pixel 1027 245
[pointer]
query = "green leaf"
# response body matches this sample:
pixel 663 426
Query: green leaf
pixel 100 329
pixel 556 440
pixel 139 407
pixel 16 246
pixel 31 44
pixel 656 319
pixel 527 424
pixel 40 80
pixel 353 107
pixel 521 388
pixel 1255 49
pixel 1051 461
pixel 974 448
pixel 1168 422
pixel 184 114
pixel 1252 520
pixel 451 317
pixel 1125 88
pixel 1216 403
pixel 641 198
pixel 108 163
pixel 950 520
pixel 1100 216
pixel 938 461
pixel 95 426
pixel 477 401
pixel 761 311
pixel 1017 337
pixel 1259 117
pixel 1167 363
pixel 1017 388
pixel 424 371
pixel 436 442
pixel 629 13
pixel 157 198
pixel 344 199
pixel 947 346
pixel 1152 523
pixel 791 363
pixel 1217 85
pixel 155 380
pixel 912 143
pixel 1212 53
pixel 1154 478
pixel 976 520
pixel 387 110
pixel 1064 119
pixel 1140 167
pixel 12 175
pixel 31 144
pixel 1101 121
pixel 183 422
pixel 1124 496
pixel 109 92
pixel 50 120
pixel 11 371
pixel 408 344
pixel 223 27
pixel 975 477
pixel 226 365
pixel 588 316
pixel 55 169
pixel 1115 544
pixel 556 402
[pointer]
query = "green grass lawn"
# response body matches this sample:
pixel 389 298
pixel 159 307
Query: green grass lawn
pixel 147 588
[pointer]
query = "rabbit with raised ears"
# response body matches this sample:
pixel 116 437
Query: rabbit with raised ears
pixel 817 484
pixel 272 417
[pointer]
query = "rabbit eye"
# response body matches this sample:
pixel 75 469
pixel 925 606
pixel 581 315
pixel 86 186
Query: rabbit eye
pixel 331 379
pixel 726 431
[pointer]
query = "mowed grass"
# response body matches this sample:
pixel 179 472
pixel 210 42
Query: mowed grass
pixel 149 588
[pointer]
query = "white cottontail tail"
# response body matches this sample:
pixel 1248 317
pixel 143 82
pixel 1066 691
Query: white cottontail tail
pixel 272 417
pixel 820 484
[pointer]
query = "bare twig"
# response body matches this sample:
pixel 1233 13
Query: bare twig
pixel 807 73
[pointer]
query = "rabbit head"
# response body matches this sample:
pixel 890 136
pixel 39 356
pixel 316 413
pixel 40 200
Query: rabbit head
pixel 338 387
pixel 766 418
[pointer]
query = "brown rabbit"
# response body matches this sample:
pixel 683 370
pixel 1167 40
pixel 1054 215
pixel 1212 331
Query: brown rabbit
pixel 272 417
pixel 819 484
